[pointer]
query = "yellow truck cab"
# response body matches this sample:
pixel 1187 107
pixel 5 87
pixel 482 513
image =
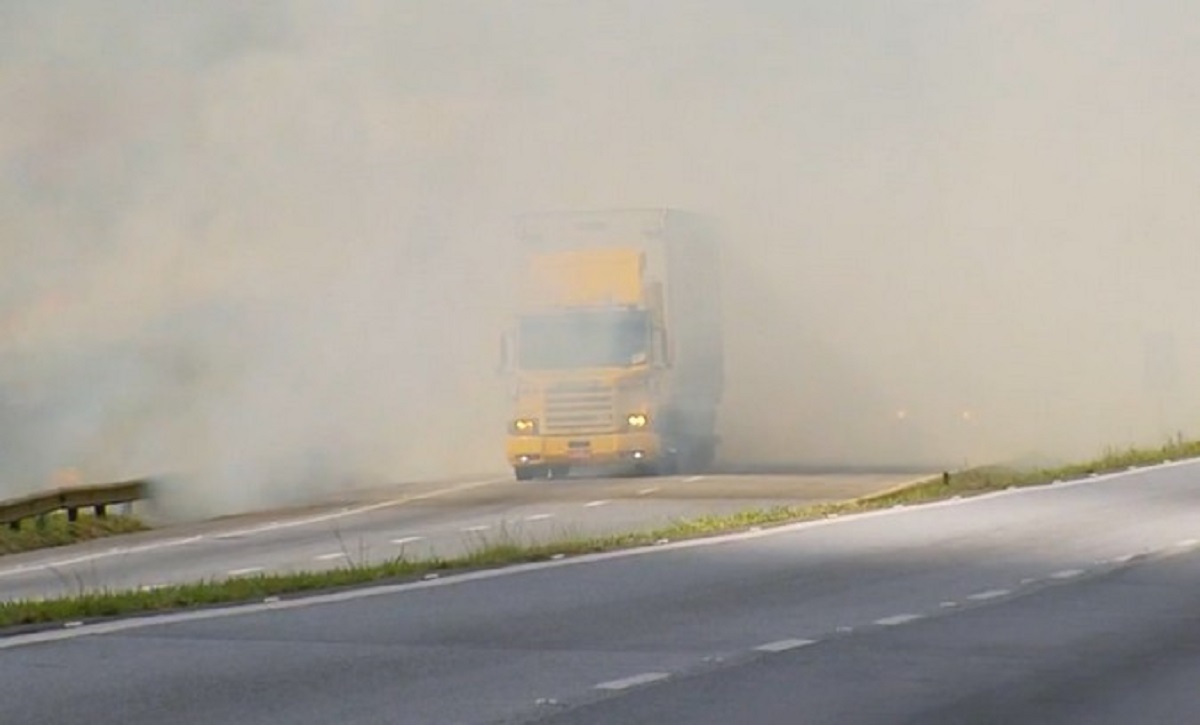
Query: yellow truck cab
pixel 616 353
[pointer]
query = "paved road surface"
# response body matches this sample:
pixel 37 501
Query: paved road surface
pixel 1074 603
pixel 418 521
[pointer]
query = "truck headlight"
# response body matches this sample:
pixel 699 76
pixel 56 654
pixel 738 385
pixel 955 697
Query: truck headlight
pixel 524 426
pixel 638 420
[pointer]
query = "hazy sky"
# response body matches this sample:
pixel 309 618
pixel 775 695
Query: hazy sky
pixel 269 245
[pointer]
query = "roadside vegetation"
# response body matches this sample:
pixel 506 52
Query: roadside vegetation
pixel 508 549
pixel 55 530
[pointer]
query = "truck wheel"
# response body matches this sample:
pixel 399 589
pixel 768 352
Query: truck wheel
pixel 705 457
pixel 528 473
pixel 647 470
pixel 698 458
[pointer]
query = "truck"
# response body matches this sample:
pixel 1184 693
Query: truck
pixel 616 356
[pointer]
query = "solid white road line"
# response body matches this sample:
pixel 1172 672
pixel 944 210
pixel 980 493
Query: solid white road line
pixel 83 559
pixel 245 571
pixel 643 679
pixel 250 531
pixel 432 580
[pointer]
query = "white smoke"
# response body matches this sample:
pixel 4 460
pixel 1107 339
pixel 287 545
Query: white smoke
pixel 269 247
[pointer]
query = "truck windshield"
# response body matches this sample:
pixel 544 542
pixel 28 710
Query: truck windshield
pixel 608 338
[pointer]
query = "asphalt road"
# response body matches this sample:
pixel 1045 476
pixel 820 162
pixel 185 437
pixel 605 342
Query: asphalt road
pixel 1072 603
pixel 418 521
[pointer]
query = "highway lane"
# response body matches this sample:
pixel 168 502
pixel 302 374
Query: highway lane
pixel 1118 646
pixel 419 521
pixel 1072 603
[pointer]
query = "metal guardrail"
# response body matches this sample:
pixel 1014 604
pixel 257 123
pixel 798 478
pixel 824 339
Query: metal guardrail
pixel 96 497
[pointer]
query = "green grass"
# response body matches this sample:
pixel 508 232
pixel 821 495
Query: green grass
pixel 508 548
pixel 994 478
pixel 55 530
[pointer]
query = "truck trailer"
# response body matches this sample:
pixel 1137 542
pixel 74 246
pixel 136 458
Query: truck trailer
pixel 616 356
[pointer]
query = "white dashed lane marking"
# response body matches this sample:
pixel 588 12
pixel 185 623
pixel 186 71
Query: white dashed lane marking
pixel 989 594
pixel 331 556
pixel 476 529
pixel 643 679
pixel 539 517
pixel 647 491
pixel 594 504
pixel 784 645
pixel 897 619
pixel 407 540
pixel 1066 574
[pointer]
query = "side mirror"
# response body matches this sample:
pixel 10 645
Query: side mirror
pixel 504 365
pixel 662 349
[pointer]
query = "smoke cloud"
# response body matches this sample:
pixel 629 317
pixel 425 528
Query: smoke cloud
pixel 269 247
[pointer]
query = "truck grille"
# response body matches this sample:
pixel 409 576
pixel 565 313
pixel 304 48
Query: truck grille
pixel 579 408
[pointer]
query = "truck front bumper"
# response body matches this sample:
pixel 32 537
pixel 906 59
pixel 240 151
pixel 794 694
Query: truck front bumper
pixel 584 450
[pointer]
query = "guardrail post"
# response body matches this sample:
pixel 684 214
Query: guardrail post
pixel 98 498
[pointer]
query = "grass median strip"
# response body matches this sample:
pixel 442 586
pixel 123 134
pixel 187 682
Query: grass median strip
pixel 55 530
pixel 504 548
